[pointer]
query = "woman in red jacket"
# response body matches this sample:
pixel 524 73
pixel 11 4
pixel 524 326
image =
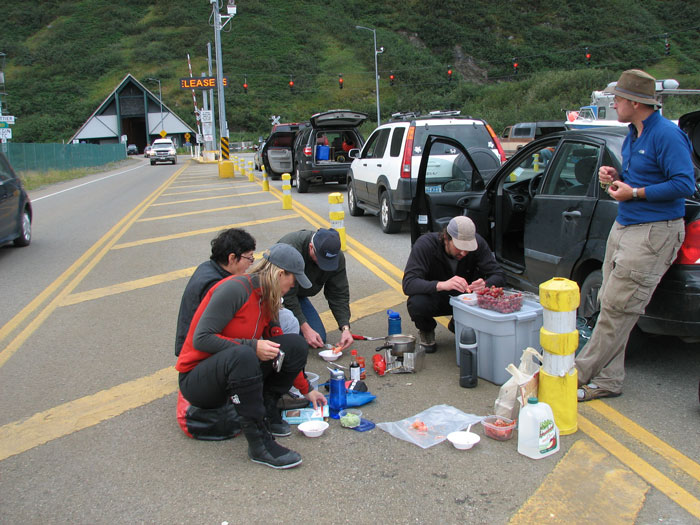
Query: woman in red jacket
pixel 234 347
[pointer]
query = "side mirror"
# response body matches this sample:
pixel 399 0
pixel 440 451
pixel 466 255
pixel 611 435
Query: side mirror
pixel 354 153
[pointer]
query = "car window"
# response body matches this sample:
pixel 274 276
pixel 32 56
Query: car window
pixel 374 149
pixel 469 135
pixel 534 163
pixel 397 141
pixel 573 170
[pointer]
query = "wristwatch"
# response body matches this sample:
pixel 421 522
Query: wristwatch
pixel 634 194
pixel 345 327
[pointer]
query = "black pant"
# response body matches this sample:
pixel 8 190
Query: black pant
pixel 424 307
pixel 237 372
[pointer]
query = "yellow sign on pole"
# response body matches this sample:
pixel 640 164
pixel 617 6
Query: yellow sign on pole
pixel 162 133
pixel 187 137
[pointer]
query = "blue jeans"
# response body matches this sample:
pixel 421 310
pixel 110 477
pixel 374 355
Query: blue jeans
pixel 312 317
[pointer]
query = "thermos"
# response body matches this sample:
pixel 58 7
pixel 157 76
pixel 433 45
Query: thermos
pixel 468 364
pixel 337 400
pixel 394 322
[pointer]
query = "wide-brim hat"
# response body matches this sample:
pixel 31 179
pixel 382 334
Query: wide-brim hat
pixel 289 259
pixel 635 85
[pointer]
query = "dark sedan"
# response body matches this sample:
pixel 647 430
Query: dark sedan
pixel 544 214
pixel 15 207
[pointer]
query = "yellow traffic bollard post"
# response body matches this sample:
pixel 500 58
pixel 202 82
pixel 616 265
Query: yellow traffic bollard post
pixel 266 183
pixel 226 169
pixel 251 177
pixel 536 162
pixel 559 339
pixel 337 216
pixel 286 191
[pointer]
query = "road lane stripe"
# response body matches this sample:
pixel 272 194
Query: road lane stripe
pixel 578 491
pixel 192 233
pixel 128 286
pixel 208 198
pixel 85 412
pixel 367 306
pixel 190 192
pixel 88 256
pixel 645 437
pixel 209 210
pixel 651 475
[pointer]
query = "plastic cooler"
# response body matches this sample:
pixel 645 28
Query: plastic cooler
pixel 323 152
pixel 500 338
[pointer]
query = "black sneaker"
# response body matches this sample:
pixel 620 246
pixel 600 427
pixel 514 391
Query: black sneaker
pixel 427 341
pixel 451 325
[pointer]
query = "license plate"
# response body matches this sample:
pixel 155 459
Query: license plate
pixel 433 189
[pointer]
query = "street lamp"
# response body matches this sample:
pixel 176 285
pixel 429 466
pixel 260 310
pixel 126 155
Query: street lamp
pixel 376 71
pixel 160 97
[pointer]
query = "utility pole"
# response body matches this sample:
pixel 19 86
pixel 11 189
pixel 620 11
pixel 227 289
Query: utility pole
pixel 218 26
pixel 210 145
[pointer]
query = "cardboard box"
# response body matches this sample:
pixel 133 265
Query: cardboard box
pixel 295 416
pixel 500 338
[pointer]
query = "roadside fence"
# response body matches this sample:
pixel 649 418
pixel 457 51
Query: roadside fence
pixel 47 157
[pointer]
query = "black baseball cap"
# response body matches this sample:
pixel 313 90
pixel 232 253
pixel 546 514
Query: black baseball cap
pixel 327 247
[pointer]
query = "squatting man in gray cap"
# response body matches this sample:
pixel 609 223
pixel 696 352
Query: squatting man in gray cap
pixel 455 261
pixel 324 265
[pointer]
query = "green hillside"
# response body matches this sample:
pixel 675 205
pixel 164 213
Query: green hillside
pixel 64 57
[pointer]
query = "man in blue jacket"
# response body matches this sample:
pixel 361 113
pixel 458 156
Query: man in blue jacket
pixel 657 175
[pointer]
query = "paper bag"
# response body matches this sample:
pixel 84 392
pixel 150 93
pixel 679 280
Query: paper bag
pixel 515 392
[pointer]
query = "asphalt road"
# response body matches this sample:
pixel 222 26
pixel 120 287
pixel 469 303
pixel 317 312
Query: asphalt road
pixel 88 431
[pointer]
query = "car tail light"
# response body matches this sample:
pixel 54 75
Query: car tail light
pixel 690 249
pixel 408 154
pixel 308 150
pixel 494 137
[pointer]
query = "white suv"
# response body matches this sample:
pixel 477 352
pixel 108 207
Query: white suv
pixel 163 150
pixel 382 176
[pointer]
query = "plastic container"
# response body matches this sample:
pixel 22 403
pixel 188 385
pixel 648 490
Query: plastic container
pixel 323 152
pixel 538 435
pixel 363 367
pixel 506 303
pixel 350 417
pixel 498 427
pixel 501 338
pixel 354 366
pixel 394 322
pixel 379 364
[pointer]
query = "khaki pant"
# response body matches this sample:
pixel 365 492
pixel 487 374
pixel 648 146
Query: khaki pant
pixel 636 257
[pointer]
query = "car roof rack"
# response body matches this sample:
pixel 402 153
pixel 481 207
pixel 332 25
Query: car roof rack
pixel 445 113
pixel 404 115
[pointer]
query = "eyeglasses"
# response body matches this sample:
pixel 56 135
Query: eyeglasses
pixel 248 258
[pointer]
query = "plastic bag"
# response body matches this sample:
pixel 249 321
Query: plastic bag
pixel 522 385
pixel 437 422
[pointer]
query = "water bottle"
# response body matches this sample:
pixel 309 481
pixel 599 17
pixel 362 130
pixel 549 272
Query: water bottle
pixel 394 322
pixel 538 435
pixel 468 359
pixel 337 400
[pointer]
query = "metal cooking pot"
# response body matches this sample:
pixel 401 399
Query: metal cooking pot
pixel 398 344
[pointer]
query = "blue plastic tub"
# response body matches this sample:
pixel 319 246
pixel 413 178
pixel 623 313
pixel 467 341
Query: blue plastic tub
pixel 323 152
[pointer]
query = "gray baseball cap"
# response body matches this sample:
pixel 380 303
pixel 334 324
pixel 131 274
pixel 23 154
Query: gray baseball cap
pixel 463 233
pixel 287 258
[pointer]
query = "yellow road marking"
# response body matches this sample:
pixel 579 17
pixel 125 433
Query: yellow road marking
pixel 128 286
pixel 85 412
pixel 213 188
pixel 654 477
pixel 578 490
pixel 208 198
pixel 210 210
pixel 367 306
pixel 102 247
pixel 192 233
pixel 638 432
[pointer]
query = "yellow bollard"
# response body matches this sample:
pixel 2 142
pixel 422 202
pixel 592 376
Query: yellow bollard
pixel 559 339
pixel 337 216
pixel 536 162
pixel 287 191
pixel 266 183
pixel 251 177
pixel 226 169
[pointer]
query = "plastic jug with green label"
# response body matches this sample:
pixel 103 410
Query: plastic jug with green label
pixel 538 435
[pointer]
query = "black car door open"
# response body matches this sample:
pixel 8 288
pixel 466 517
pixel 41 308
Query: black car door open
pixel 559 215
pixel 451 182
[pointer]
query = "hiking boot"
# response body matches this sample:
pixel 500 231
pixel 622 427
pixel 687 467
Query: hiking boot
pixel 278 426
pixel 427 340
pixel 263 449
pixel 451 325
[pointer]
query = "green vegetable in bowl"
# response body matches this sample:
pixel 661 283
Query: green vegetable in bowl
pixel 350 420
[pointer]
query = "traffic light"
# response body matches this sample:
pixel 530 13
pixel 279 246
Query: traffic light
pixel 291 84
pixel 449 75
pixel 245 86
pixel 515 67
pixel 588 57
pixel 667 46
pixel 340 81
pixel 391 79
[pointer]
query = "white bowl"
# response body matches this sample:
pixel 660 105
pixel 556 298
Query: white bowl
pixel 469 298
pixel 313 429
pixel 463 440
pixel 328 355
